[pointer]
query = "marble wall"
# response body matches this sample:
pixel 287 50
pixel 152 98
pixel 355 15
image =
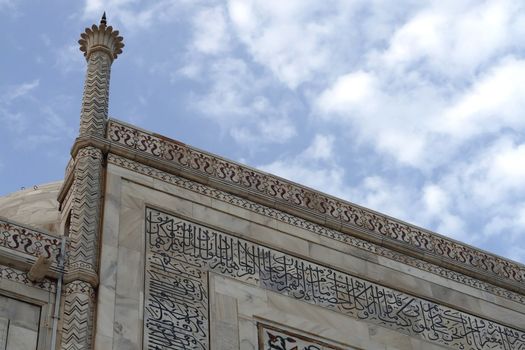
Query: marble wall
pixel 127 317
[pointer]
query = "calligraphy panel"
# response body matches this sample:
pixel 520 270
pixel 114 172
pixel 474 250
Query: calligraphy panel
pixel 179 251
pixel 176 303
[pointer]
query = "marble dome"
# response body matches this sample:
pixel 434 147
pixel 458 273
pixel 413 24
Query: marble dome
pixel 36 207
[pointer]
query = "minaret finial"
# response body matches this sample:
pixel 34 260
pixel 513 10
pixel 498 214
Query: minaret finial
pixel 101 38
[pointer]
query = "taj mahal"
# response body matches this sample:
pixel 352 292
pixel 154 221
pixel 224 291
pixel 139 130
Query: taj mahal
pixel 150 243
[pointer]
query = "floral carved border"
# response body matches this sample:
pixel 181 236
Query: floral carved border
pixel 286 192
pixel 315 228
pixel 12 274
pixel 28 241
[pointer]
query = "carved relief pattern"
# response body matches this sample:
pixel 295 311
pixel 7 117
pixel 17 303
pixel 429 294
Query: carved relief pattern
pixel 96 94
pixel 271 338
pixel 85 214
pixel 318 229
pixel 312 201
pixel 176 305
pixel 209 250
pixel 11 274
pixel 79 307
pixel 82 249
pixel 28 241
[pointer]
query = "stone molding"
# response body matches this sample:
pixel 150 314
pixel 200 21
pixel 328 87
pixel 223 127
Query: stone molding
pixel 29 242
pixel 9 273
pixel 179 253
pixel 288 195
pixel 315 228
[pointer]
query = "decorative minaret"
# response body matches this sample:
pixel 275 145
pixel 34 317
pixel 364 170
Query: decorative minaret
pixel 101 45
pixel 82 192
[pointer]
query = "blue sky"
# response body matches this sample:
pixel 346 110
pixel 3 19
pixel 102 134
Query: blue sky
pixel 412 108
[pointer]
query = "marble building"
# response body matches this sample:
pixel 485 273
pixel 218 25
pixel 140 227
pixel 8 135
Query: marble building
pixel 149 243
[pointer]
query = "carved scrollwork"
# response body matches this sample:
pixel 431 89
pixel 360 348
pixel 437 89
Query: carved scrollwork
pixel 28 241
pixel 349 214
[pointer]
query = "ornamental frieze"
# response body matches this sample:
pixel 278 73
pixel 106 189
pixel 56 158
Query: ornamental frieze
pixel 28 241
pixel 179 253
pixel 311 201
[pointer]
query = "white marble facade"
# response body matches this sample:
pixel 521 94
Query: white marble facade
pixel 238 307
pixel 184 265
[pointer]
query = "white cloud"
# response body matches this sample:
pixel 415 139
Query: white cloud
pixel 191 70
pixel 133 14
pixel 264 131
pixel 47 126
pixel 284 36
pixel 14 92
pixel 435 199
pixel 396 123
pixel 10 115
pixel 413 123
pixel 495 101
pixel 69 58
pixel 210 31
pixel 247 113
pixel 228 98
pixel 321 148
pixel 315 167
pixel 494 175
pixel 443 37
pixel 353 92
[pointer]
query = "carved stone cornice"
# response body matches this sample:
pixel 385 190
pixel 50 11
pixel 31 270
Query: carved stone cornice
pixel 178 158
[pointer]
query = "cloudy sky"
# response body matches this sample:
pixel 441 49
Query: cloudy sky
pixel 413 108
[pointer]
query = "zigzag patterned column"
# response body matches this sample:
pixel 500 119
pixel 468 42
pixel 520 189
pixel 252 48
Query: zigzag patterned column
pixel 96 94
pixel 101 45
pixel 79 305
pixel 85 215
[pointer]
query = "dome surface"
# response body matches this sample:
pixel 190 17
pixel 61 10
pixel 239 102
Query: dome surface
pixel 36 207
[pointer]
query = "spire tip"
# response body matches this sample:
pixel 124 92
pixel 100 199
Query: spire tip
pixel 103 19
